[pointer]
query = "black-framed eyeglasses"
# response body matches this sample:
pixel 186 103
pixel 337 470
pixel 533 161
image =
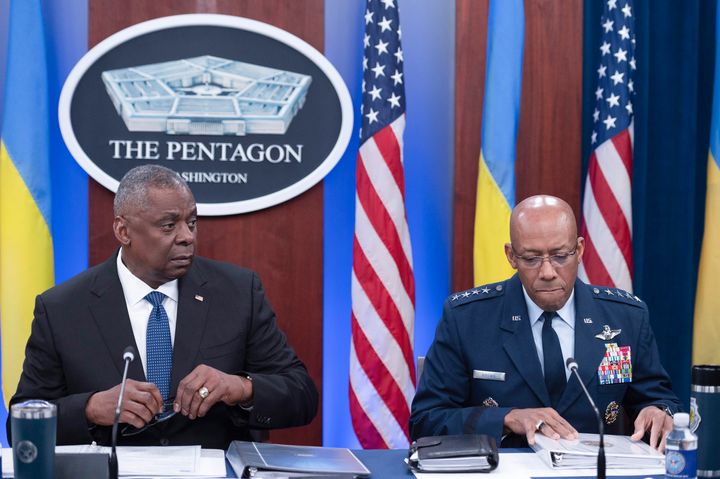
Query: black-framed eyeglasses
pixel 166 414
pixel 557 260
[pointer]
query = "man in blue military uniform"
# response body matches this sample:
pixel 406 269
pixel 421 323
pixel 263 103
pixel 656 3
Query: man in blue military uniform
pixel 497 364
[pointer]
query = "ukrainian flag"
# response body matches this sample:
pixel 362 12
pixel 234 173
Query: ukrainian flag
pixel 26 253
pixel 706 331
pixel 496 173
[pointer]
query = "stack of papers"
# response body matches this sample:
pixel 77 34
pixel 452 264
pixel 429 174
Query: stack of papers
pixel 174 461
pixel 620 452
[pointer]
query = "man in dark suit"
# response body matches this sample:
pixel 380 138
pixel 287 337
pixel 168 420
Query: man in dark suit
pixel 497 364
pixel 212 363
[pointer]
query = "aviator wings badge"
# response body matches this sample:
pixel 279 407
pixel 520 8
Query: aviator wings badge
pixel 608 333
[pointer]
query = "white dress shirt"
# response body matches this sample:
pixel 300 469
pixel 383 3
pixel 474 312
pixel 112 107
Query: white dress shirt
pixel 139 309
pixel 564 329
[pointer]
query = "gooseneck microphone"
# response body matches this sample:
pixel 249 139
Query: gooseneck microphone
pixel 128 357
pixel 573 367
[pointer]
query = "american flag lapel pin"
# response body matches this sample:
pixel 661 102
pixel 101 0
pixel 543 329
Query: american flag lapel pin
pixel 199 298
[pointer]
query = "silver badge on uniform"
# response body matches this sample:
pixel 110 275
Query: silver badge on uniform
pixel 608 333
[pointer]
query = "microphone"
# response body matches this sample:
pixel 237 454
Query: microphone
pixel 572 365
pixel 128 357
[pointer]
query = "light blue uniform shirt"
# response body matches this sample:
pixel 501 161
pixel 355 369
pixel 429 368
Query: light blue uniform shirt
pixel 565 329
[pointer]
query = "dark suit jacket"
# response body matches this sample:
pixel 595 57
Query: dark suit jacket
pixel 81 328
pixel 488 329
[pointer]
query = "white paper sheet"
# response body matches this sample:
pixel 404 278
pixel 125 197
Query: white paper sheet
pixel 173 461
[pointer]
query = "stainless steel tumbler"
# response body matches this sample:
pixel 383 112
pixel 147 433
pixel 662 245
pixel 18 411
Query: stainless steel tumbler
pixel 33 425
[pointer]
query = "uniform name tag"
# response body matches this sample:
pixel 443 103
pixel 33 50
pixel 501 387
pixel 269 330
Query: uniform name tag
pixel 616 366
pixel 488 375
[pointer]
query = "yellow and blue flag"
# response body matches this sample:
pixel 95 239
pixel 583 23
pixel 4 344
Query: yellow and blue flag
pixel 706 331
pixel 501 110
pixel 26 252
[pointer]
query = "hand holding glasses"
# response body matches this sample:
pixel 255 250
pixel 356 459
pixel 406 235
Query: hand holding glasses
pixel 167 413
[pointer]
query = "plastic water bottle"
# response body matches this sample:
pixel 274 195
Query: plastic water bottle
pixel 681 449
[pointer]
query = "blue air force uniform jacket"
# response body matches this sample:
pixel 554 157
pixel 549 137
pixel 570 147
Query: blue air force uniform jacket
pixel 483 363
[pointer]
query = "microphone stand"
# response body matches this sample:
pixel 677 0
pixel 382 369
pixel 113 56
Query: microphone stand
pixel 573 366
pixel 128 357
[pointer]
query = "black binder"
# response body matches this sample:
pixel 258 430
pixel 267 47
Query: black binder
pixel 458 453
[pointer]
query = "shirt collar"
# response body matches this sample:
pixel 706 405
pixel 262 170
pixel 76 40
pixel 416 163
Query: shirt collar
pixel 566 313
pixel 136 289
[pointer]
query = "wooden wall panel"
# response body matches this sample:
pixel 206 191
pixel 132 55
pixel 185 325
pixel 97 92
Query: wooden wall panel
pixel 284 243
pixel 548 145
pixel 470 48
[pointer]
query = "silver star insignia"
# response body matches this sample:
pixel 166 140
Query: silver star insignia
pixel 485 290
pixel 609 292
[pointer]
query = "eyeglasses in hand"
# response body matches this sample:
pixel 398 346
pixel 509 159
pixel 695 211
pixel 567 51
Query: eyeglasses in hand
pixel 167 413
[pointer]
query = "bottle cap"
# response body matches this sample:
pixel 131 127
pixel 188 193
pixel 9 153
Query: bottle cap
pixel 681 419
pixel 33 409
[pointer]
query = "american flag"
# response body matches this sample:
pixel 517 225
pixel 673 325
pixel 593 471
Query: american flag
pixel 607 204
pixel 382 367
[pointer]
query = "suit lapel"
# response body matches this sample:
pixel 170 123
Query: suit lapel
pixel 109 310
pixel 520 345
pixel 589 350
pixel 190 325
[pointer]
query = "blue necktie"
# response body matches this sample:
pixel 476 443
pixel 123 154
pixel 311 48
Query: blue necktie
pixel 159 345
pixel 555 378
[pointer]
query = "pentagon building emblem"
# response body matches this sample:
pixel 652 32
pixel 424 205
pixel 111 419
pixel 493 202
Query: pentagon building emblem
pixel 206 95
pixel 248 114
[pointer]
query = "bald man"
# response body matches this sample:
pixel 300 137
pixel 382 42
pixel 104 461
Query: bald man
pixel 497 364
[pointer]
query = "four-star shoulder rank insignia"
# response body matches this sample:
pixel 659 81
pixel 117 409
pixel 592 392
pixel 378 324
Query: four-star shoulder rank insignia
pixel 617 295
pixel 475 294
pixel 607 333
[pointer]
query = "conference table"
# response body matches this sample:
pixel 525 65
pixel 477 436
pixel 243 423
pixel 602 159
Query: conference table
pixel 390 464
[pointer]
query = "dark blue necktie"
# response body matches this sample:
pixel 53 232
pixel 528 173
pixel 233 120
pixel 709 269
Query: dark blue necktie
pixel 555 378
pixel 159 345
